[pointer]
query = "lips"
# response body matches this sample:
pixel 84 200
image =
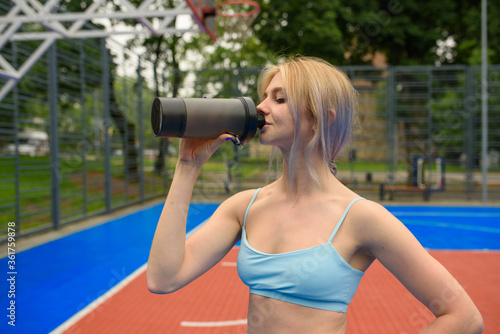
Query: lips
pixel 266 125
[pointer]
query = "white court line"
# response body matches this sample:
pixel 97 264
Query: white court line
pixel 216 323
pixel 100 300
pixel 228 264
pixel 213 323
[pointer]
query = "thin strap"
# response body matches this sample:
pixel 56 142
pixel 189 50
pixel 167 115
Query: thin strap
pixel 341 220
pixel 249 205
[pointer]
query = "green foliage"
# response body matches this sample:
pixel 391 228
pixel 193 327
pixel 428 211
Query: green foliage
pixel 302 27
pixel 347 32
pixel 466 32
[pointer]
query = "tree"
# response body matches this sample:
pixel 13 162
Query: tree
pixel 466 32
pixel 348 32
pixel 311 28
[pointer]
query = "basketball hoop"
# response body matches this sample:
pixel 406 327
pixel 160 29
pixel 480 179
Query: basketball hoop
pixel 238 8
pixel 236 18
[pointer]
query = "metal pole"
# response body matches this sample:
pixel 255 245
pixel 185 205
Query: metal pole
pixel 54 139
pixel 164 174
pixel 141 129
pixel 237 167
pixel 17 159
pixel 126 167
pixel 84 126
pixel 391 125
pixel 429 151
pixel 107 124
pixel 469 121
pixel 484 99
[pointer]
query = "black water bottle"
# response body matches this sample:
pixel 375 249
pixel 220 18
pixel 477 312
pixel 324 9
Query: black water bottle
pixel 205 118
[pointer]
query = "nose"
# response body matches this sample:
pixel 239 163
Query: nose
pixel 261 109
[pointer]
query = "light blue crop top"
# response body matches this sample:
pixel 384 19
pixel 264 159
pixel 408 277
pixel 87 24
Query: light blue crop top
pixel 316 277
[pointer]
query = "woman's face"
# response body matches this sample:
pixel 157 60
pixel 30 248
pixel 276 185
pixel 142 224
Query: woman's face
pixel 279 128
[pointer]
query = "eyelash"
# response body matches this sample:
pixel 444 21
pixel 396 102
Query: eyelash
pixel 280 100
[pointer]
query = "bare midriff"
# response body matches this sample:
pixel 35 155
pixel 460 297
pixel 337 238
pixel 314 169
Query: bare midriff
pixel 267 315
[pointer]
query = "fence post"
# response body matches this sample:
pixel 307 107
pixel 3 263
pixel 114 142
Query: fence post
pixel 429 150
pixel 484 101
pixel 391 126
pixel 17 160
pixel 237 169
pixel 125 135
pixel 107 124
pixel 84 126
pixel 469 121
pixel 54 139
pixel 141 129
pixel 164 146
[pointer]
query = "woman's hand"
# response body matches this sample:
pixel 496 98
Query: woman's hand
pixel 196 152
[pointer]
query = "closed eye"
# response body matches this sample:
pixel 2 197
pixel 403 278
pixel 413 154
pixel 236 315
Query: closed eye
pixel 280 100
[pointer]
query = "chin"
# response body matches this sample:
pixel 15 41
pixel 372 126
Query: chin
pixel 271 139
pixel 263 141
pixel 262 134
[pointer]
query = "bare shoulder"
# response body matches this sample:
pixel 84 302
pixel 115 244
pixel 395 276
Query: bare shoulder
pixel 240 197
pixel 370 207
pixel 366 213
pixel 237 204
pixel 376 227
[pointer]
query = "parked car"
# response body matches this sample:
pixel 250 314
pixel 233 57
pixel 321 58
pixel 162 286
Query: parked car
pixel 30 142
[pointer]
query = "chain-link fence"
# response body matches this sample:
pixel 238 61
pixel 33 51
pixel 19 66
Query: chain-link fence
pixel 75 135
pixel 76 140
pixel 423 124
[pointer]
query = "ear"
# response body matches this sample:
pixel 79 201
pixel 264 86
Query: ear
pixel 331 116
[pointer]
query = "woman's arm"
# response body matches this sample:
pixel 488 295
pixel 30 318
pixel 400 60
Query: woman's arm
pixel 173 260
pixel 388 240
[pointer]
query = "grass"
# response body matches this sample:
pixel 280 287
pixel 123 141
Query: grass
pixel 35 191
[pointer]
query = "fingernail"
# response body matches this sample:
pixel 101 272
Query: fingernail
pixel 228 138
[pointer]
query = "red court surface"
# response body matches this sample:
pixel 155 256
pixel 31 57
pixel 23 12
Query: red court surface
pixel 217 301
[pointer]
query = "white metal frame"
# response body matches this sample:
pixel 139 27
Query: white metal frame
pixel 153 19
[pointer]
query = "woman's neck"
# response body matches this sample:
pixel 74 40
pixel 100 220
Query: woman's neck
pixel 302 182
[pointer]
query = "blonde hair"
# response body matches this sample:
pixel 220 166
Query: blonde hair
pixel 314 86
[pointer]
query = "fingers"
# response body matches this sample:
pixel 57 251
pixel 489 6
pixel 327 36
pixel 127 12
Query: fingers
pixel 221 140
pixel 198 151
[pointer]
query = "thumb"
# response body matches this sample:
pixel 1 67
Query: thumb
pixel 220 140
pixel 224 138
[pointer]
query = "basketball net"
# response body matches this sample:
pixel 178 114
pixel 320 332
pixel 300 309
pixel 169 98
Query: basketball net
pixel 235 18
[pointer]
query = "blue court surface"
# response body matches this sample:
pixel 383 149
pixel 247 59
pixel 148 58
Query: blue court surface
pixel 56 280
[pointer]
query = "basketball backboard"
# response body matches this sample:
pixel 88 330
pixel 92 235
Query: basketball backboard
pixel 204 15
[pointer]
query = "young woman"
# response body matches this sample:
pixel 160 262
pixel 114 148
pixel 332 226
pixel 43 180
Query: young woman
pixel 306 239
